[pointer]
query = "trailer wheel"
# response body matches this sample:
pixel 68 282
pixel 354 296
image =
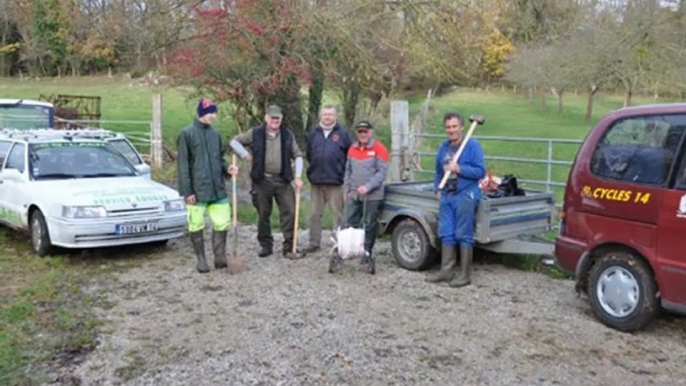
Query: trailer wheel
pixel 622 291
pixel 411 247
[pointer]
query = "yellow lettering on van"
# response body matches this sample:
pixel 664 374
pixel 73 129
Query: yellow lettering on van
pixel 626 195
pixel 643 198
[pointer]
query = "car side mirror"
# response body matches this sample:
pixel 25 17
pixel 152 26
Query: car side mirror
pixel 143 169
pixel 11 175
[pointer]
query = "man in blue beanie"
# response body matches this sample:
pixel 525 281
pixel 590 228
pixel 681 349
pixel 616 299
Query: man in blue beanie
pixel 201 171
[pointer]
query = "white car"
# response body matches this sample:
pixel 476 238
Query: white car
pixel 76 190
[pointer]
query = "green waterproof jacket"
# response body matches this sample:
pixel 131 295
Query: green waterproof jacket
pixel 201 167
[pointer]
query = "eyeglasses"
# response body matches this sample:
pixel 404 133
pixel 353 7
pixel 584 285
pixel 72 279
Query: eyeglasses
pixel 275 118
pixel 362 131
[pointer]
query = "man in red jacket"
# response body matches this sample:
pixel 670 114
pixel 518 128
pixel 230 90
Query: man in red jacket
pixel 365 173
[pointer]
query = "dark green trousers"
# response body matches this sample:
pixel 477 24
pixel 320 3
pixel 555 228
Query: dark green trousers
pixel 265 192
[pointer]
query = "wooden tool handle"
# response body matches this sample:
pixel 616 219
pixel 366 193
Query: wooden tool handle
pixel 297 218
pixel 234 197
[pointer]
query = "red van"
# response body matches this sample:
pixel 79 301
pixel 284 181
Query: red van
pixel 623 227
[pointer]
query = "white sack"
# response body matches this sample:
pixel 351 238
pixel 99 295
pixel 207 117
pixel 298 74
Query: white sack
pixel 350 242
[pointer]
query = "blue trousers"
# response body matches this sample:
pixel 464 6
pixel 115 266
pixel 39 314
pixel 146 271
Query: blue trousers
pixel 456 214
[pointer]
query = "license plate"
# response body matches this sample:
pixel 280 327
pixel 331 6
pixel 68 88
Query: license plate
pixel 132 229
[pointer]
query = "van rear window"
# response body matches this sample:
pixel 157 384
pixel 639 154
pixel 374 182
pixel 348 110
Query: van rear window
pixel 639 149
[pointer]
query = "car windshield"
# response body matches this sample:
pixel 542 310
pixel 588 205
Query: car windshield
pixel 24 117
pixel 65 160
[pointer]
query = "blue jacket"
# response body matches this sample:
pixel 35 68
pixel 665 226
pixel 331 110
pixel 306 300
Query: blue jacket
pixel 326 156
pixel 472 165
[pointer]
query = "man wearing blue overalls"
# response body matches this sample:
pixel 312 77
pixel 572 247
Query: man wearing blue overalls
pixel 458 201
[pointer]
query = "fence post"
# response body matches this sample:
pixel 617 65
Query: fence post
pixel 400 127
pixel 550 166
pixel 156 135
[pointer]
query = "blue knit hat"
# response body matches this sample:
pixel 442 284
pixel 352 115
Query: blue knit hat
pixel 206 106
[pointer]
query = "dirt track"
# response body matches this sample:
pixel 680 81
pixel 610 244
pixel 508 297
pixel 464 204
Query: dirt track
pixel 285 322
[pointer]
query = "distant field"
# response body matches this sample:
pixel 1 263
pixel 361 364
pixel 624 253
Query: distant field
pixel 506 113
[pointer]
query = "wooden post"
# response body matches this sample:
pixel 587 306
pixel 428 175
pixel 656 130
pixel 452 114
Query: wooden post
pixel 400 129
pixel 156 134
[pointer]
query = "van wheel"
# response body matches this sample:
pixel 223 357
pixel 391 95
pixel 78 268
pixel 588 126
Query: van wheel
pixel 623 291
pixel 410 245
pixel 40 238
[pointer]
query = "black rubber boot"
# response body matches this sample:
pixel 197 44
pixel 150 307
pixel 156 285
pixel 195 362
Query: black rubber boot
pixel 448 265
pixel 219 249
pixel 463 279
pixel 199 247
pixel 265 251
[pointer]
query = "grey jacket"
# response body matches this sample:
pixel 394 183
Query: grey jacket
pixel 366 166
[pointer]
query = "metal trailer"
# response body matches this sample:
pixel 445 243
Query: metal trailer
pixel 504 225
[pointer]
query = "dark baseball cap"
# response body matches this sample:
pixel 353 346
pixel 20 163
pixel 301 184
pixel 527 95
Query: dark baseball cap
pixel 363 125
pixel 274 111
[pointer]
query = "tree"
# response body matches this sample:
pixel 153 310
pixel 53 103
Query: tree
pixel 549 66
pixel 644 42
pixel 249 53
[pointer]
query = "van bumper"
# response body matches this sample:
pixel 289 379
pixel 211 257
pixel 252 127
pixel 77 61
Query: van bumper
pixel 568 252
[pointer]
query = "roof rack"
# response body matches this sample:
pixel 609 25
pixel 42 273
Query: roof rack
pixel 86 133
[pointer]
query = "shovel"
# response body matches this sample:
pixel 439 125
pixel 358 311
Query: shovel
pixel 236 264
pixel 297 215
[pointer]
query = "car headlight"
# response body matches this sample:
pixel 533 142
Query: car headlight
pixel 84 211
pixel 174 205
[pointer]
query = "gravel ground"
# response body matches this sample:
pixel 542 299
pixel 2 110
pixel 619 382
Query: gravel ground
pixel 285 322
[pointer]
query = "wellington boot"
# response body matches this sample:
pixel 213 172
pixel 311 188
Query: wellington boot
pixel 463 278
pixel 219 249
pixel 448 264
pixel 199 247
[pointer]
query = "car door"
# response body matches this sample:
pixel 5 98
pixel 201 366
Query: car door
pixel 13 178
pixel 671 238
pixel 4 150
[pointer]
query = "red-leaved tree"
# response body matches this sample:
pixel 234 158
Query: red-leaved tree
pixel 250 53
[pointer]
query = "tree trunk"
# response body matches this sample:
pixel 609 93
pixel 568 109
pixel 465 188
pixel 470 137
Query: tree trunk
pixel 351 96
pixel 560 107
pixel 589 104
pixel 628 91
pixel 315 98
pixel 627 97
pixel 288 98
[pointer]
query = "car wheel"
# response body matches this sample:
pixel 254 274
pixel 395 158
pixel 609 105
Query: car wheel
pixel 623 291
pixel 411 247
pixel 40 237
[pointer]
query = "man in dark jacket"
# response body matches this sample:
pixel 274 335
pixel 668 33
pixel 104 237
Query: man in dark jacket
pixel 365 172
pixel 273 147
pixel 201 170
pixel 327 150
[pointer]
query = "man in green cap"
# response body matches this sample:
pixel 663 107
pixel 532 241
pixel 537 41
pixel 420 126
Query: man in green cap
pixel 273 147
